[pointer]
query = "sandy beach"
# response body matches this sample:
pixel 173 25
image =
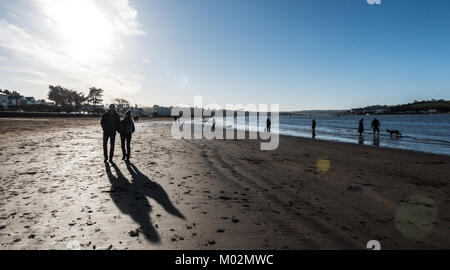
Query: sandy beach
pixel 213 194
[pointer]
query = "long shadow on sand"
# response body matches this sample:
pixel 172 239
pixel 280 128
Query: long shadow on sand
pixel 131 198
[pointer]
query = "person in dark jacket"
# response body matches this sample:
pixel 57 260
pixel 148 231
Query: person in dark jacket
pixel 376 127
pixel 313 126
pixel 110 123
pixel 268 124
pixel 361 127
pixel 126 130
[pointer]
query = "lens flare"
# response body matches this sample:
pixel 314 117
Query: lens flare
pixel 323 165
pixel 415 216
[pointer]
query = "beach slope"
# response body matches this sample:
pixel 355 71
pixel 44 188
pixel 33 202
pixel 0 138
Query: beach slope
pixel 183 194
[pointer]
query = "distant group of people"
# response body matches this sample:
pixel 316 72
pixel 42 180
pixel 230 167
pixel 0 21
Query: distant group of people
pixel 375 127
pixel 268 124
pixel 111 125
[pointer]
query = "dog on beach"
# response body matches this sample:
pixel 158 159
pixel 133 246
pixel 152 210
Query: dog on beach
pixel 396 132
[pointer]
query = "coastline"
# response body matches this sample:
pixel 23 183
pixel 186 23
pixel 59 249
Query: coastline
pixel 372 146
pixel 219 194
pixel 322 138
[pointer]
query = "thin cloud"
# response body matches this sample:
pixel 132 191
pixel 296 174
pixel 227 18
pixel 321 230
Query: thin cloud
pixel 125 17
pixel 119 13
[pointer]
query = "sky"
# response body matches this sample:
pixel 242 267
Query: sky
pixel 300 54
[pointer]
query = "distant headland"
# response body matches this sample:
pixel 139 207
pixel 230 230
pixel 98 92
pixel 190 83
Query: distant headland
pixel 417 107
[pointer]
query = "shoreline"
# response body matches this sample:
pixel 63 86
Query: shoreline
pixel 326 140
pixel 369 145
pixel 93 120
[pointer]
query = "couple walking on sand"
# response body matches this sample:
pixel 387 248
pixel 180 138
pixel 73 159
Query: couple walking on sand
pixel 111 124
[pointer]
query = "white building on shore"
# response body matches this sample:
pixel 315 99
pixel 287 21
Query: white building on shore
pixel 30 100
pixel 4 100
pixel 162 111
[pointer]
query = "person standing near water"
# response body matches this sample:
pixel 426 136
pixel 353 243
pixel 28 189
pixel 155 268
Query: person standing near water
pixel 361 127
pixel 110 124
pixel 313 128
pixel 376 126
pixel 269 124
pixel 126 130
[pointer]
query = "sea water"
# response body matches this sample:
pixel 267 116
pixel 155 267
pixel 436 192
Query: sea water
pixel 420 132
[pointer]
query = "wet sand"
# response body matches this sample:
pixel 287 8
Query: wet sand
pixel 184 194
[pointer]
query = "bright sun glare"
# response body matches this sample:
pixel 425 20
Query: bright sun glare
pixel 86 30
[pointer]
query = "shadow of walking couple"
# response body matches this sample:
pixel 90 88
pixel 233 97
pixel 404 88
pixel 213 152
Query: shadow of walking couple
pixel 131 198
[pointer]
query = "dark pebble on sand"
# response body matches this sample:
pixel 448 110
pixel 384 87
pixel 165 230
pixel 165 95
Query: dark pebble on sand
pixel 235 219
pixel 211 242
pixel 354 188
pixel 221 230
pixel 134 233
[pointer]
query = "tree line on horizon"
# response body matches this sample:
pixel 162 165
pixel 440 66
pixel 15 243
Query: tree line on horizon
pixel 68 100
pixel 439 106
pixel 74 100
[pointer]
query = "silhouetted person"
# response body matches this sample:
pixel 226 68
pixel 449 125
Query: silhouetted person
pixel 136 119
pixel 269 124
pixel 126 130
pixel 376 126
pixel 110 123
pixel 361 127
pixel 313 125
pixel 214 124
